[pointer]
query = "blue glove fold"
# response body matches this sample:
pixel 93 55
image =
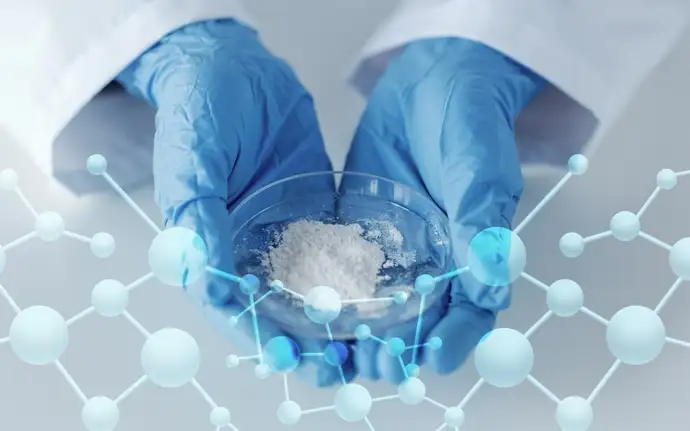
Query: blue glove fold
pixel 440 120
pixel 231 118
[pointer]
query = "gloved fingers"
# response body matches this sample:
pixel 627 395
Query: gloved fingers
pixel 466 105
pixel 460 330
pixel 387 356
pixel 260 339
pixel 230 119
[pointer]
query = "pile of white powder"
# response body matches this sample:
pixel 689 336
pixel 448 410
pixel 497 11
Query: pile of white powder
pixel 345 257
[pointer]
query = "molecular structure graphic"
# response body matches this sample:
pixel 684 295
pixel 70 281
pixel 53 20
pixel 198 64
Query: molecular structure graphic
pixel 504 358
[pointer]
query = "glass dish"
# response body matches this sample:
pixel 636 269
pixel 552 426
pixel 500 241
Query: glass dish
pixel 344 198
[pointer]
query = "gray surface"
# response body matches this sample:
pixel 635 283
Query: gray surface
pixel 571 354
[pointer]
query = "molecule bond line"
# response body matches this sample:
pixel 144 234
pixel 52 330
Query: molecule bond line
pixel 322 305
pixel 39 334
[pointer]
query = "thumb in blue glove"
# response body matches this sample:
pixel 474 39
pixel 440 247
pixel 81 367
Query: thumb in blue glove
pixel 440 120
pixel 230 119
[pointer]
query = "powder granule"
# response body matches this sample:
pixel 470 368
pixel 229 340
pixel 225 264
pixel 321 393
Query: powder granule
pixel 313 253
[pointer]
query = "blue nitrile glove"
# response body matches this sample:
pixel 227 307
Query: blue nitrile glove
pixel 231 118
pixel 440 120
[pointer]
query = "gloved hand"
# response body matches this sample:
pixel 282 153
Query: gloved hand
pixel 230 119
pixel 440 120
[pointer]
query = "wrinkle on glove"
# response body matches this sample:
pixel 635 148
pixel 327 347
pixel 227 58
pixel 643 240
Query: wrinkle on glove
pixel 231 118
pixel 440 120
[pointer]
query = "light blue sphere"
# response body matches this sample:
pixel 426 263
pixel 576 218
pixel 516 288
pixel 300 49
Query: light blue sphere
pixel 109 298
pixel 571 245
pixel 249 284
pixel 412 391
pixel 100 414
pixel 496 256
pixel 322 304
pixel 666 179
pixel 679 258
pixel 39 335
pixel 353 402
pixel 178 256
pixel 505 358
pixel 102 245
pixel 412 370
pixel 276 286
pixel 578 164
pixel 282 354
pixel 574 414
pixel 395 346
pixel 96 164
pixel 636 335
pixel 220 417
pixel 565 298
pixel 625 226
pixel 424 284
pixel 289 413
pixel 170 358
pixel 362 332
pixel 454 417
pixel 434 343
pixel 400 298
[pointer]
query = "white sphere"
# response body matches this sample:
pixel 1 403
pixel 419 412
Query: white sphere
pixel 625 226
pixel 170 358
pixel 574 414
pixel 102 245
pixel 571 244
pixel 412 391
pixel 110 298
pixel 39 335
pixel 232 361
pixel 289 413
pixel 220 417
pixel 454 417
pixel 496 256
pixel 322 304
pixel 8 179
pixel 178 256
pixel 353 402
pixel 96 164
pixel 49 226
pixel 636 335
pixel 565 298
pixel 578 164
pixel 504 358
pixel 100 414
pixel 679 258
pixel 666 179
pixel 262 371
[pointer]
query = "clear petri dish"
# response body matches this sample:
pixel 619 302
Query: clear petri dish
pixel 341 197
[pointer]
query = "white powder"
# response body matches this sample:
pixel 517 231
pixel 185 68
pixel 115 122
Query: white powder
pixel 344 257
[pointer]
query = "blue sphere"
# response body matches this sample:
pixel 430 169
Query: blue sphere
pixel 336 353
pixel 282 354
pixel 249 284
pixel 395 346
pixel 424 284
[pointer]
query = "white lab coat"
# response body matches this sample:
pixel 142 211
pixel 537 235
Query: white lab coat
pixel 57 55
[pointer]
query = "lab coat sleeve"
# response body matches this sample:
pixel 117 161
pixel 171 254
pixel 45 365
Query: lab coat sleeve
pixel 595 55
pixel 56 55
